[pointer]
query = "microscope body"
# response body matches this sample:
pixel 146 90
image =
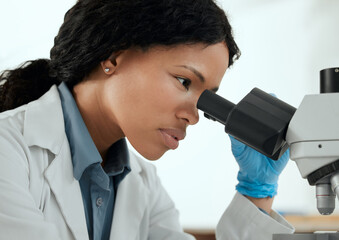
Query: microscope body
pixel 313 136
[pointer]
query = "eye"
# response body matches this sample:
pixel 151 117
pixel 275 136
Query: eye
pixel 185 82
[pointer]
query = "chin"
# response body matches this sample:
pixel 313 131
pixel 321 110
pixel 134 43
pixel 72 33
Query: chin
pixel 148 150
pixel 152 155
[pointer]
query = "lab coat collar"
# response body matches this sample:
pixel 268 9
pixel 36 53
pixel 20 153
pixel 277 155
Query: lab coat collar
pixel 44 124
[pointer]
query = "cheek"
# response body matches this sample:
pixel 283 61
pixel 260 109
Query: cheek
pixel 133 98
pixel 151 97
pixel 140 108
pixel 140 124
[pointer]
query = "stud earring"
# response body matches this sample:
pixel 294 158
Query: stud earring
pixel 107 70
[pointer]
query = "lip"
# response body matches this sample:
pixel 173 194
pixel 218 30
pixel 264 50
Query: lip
pixel 171 137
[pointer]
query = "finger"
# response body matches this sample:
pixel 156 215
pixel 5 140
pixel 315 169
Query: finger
pixel 236 145
pixel 282 161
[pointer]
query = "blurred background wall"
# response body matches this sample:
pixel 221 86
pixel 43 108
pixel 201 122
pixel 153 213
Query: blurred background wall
pixel 284 44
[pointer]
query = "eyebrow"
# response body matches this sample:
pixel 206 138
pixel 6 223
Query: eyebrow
pixel 198 74
pixel 195 71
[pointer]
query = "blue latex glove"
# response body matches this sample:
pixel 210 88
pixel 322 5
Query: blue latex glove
pixel 258 175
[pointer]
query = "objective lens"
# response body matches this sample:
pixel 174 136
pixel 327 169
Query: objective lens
pixel 325 198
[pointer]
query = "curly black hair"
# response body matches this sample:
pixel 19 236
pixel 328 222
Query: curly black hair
pixel 94 29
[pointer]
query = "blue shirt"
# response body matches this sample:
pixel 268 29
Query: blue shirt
pixel 98 185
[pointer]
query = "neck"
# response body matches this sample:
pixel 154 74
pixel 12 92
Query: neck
pixel 104 132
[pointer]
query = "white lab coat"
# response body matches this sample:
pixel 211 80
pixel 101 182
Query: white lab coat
pixel 40 199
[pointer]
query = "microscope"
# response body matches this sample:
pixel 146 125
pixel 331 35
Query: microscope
pixel 271 126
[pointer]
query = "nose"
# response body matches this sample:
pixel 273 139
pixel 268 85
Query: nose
pixel 189 113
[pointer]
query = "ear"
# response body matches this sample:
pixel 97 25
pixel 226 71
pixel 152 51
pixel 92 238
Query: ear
pixel 109 65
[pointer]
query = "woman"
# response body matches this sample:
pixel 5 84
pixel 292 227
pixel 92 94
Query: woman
pixel 118 69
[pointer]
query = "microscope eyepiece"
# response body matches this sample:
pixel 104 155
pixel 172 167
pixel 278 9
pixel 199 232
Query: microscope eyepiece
pixel 215 107
pixel 259 120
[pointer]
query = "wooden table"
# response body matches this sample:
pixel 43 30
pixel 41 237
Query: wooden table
pixel 314 223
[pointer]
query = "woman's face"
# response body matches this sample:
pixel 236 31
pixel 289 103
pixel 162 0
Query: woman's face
pixel 151 96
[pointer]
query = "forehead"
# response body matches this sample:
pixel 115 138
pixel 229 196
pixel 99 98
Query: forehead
pixel 210 60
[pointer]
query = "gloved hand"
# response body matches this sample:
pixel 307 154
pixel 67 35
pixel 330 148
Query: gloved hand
pixel 258 175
